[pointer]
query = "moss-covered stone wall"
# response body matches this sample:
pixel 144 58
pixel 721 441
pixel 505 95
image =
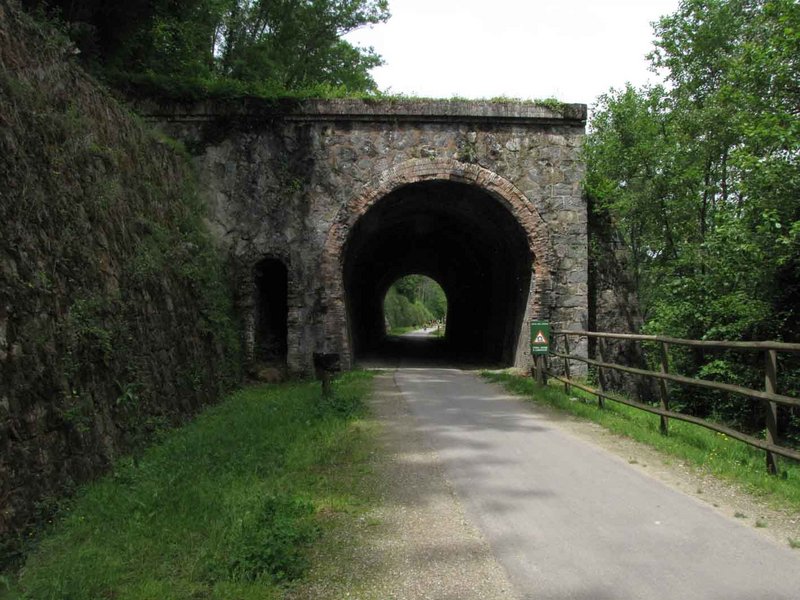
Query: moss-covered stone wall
pixel 115 313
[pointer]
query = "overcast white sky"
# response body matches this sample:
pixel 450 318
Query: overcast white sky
pixel 572 50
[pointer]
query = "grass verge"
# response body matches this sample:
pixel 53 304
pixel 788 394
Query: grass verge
pixel 715 452
pixel 226 507
pixel 402 330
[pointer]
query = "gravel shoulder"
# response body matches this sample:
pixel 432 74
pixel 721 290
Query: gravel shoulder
pixel 416 543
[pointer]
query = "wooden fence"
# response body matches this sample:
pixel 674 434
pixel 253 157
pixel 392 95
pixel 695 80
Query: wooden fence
pixel 769 396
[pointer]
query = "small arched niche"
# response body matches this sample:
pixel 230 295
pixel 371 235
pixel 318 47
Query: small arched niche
pixel 271 312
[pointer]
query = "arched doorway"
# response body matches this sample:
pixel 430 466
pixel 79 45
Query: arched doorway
pixel 270 312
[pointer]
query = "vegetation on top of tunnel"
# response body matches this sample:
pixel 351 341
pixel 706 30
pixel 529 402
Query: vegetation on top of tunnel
pixel 228 506
pixel 202 48
pixel 413 301
pixel 211 49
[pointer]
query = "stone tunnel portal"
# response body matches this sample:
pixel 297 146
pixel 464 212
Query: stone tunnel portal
pixel 462 237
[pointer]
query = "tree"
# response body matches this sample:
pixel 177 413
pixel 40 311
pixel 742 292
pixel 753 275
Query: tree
pixel 701 177
pixel 300 42
pixel 414 300
pixel 262 46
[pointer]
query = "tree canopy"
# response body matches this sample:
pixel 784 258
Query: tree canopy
pixel 701 176
pixel 267 47
pixel 413 301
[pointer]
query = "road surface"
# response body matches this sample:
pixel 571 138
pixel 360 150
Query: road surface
pixel 568 520
pixel 425 333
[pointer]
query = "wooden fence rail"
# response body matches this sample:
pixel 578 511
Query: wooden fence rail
pixel 769 396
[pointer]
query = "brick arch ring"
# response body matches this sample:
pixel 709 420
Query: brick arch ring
pixel 420 170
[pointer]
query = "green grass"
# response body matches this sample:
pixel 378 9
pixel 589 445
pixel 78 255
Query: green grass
pixel 717 453
pixel 192 89
pixel 226 507
pixel 402 330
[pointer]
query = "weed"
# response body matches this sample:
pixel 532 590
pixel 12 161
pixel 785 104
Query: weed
pixel 761 523
pixel 739 515
pixel 272 543
pixel 794 543
pixel 86 320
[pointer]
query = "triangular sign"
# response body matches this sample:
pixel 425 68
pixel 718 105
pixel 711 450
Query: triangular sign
pixel 540 339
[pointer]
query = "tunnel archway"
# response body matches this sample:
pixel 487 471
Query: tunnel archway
pixel 458 235
pixel 336 328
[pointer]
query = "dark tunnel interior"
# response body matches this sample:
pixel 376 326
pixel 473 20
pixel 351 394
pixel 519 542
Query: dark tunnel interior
pixel 271 311
pixel 468 242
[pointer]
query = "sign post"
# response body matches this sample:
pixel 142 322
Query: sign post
pixel 540 346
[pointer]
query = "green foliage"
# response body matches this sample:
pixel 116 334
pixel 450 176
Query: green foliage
pixel 701 179
pixel 271 543
pixel 225 507
pixel 112 287
pixel 403 314
pixel 226 47
pixel 553 104
pixel 412 301
pixel 86 331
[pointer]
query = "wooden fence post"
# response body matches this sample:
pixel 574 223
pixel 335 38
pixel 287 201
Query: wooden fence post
pixel 567 388
pixel 771 385
pixel 662 388
pixel 600 375
pixel 539 369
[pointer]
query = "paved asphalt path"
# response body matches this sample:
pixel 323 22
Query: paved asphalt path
pixel 424 333
pixel 568 520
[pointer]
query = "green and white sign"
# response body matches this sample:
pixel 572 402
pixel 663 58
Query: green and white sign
pixel 540 337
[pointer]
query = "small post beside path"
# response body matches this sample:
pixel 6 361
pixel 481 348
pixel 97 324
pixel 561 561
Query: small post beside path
pixel 539 371
pixel 567 388
pixel 325 366
pixel 601 381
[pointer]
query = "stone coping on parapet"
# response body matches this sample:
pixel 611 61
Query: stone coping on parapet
pixel 377 110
